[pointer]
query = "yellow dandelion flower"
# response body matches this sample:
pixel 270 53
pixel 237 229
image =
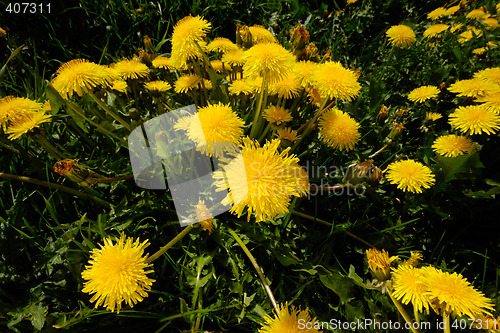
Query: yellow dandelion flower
pixel 164 63
pixel 476 13
pixel 206 84
pixel 277 115
pixel 437 13
pixel 288 320
pixel 456 27
pixel 401 35
pixel 261 35
pixel 338 129
pixel 452 145
pixel 433 116
pixel 81 76
pixel 474 88
pixel 218 123
pixel 452 10
pixel 119 85
pixel 287 134
pixel 410 175
pixel 423 93
pixel 131 69
pixel 335 82
pixel 269 59
pixel 491 101
pixel 183 123
pixel 408 287
pixel 25 123
pixel 188 32
pixel 287 87
pixel 241 86
pixel 117 273
pixel 470 33
pixel 219 66
pixel 304 70
pixel 380 263
pixel 187 82
pixel 475 119
pixel 12 107
pixel 157 86
pixel 453 294
pixel 234 57
pixel 222 45
pixel 486 322
pixel 262 180
pixel 435 30
pixel 414 259
pixel 203 215
pixel 314 96
pixel 480 50
pixel 492 23
pixel 491 74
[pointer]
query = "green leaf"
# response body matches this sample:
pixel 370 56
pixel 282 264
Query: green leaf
pixel 339 284
pixel 463 166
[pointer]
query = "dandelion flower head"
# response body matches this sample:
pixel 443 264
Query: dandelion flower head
pixel 261 35
pixel 240 86
pixel 474 87
pixel 304 70
pixel 157 86
pixel 490 74
pixel 163 63
pixel 277 115
pixel 269 59
pixel 287 134
pixel 25 123
pixel 423 93
pixel 435 30
pixel 380 263
pixel 188 36
pixel 401 35
pixel 287 321
pixel 437 13
pixel 476 13
pixel 234 57
pixel 475 119
pixel 222 45
pixel 410 176
pixel 117 273
pixel 452 145
pixel 12 107
pixel 433 116
pixel 332 80
pixel 186 83
pixel 131 69
pixel 287 87
pixel 338 129
pixel 409 287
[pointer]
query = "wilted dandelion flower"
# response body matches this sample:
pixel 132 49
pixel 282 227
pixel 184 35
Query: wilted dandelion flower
pixel 269 59
pixel 338 129
pixel 262 180
pixel 157 86
pixel 452 145
pixel 287 87
pixel 261 35
pixel 421 94
pixel 117 273
pixel 219 123
pixel 12 107
pixel 287 134
pixel 380 263
pixel 334 81
pixel 453 294
pixel 222 45
pixel 410 175
pixel 81 76
pixel 277 115
pixel 131 69
pixel 287 321
pixel 437 13
pixel 241 86
pixel 491 74
pixel 475 119
pixel 435 30
pixel 401 35
pixel 408 287
pixel 187 82
pixel 476 13
pixel 26 122
pixel 234 57
pixel 433 116
pixel 474 88
pixel 304 70
pixel 164 63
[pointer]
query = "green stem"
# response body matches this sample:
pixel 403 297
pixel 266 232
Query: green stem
pixel 99 127
pixel 170 244
pixel 262 101
pixel 378 151
pixel 108 110
pixel 310 123
pixel 446 319
pixel 265 132
pixel 257 268
pixel 55 186
pixel 348 233
pixel 402 311
pixel 39 136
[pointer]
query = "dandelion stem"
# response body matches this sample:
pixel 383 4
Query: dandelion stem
pixel 262 101
pixel 257 268
pixel 112 179
pixel 108 110
pixel 379 151
pixel 403 312
pixel 55 186
pixel 348 233
pixel 167 246
pixel 39 136
pixel 446 319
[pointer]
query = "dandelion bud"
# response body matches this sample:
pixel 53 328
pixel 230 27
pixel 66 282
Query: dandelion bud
pixel 376 174
pixel 380 263
pixel 396 131
pixel 243 36
pixel 71 170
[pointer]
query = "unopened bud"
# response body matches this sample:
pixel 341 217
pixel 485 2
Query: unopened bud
pixel 70 169
pixel 396 131
pixel 382 114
